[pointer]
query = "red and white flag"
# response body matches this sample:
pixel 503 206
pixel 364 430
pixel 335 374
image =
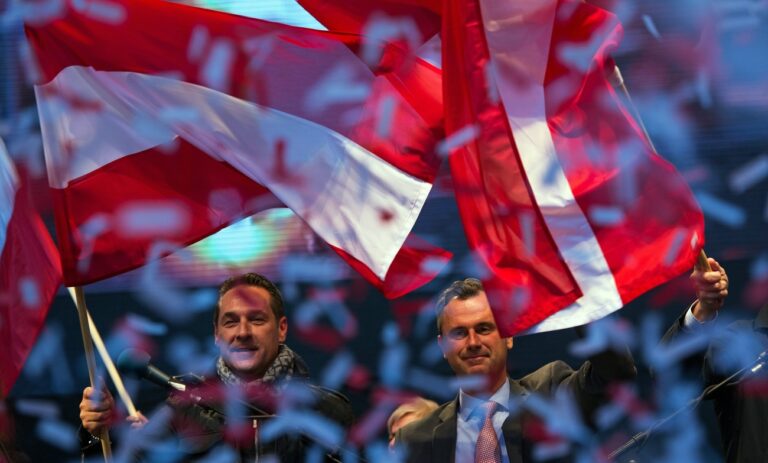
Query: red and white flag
pixel 164 122
pixel 29 273
pixel 355 17
pixel 560 194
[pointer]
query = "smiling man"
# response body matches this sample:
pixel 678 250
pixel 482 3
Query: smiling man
pixel 488 422
pixel 226 410
pixel 250 327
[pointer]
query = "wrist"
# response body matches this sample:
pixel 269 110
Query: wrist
pixel 704 312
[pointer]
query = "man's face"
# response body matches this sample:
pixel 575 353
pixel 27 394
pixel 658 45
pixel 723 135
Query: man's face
pixel 247 332
pixel 471 342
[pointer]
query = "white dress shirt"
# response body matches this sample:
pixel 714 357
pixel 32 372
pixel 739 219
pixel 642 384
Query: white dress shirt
pixel 470 420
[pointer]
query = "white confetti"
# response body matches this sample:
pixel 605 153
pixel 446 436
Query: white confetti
pixel 674 247
pixel 721 210
pixel 101 10
pixel 458 139
pixel 491 85
pixel 217 70
pixel 380 30
pixel 311 424
pixel 152 219
pixel 298 268
pixel 40 408
pixel 606 216
pixel 197 43
pixel 749 174
pixel 528 232
pixel 58 433
pixel 145 325
pixel 758 269
pixel 651 26
pixel 338 369
pixel 338 86
pixel 431 384
pixel 30 292
pixel 37 13
pixel 385 115
pixel 703 88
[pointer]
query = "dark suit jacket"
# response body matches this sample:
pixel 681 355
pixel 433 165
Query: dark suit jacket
pixel 433 438
pixel 741 408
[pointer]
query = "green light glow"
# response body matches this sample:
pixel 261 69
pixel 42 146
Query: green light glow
pixel 244 241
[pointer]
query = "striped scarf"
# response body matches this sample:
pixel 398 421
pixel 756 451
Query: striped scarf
pixel 286 365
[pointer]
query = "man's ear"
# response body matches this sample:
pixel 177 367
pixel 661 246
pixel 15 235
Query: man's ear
pixel 510 342
pixel 282 329
pixel 440 343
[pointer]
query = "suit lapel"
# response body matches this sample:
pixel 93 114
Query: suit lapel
pixel 512 427
pixel 444 435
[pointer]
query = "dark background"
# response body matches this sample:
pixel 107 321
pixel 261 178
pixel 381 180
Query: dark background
pixel 698 73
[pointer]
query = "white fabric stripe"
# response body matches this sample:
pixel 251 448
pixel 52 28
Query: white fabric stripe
pixel 9 184
pixel 338 187
pixel 519 35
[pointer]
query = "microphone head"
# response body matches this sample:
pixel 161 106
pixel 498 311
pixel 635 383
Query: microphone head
pixel 133 362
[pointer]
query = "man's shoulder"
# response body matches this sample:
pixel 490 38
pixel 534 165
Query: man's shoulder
pixel 334 405
pixel 424 426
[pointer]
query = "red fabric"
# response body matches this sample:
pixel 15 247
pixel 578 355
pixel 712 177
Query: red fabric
pixel 652 244
pixel 527 281
pixel 414 266
pixel 29 258
pixel 417 80
pixel 606 160
pixel 114 251
pixel 160 36
pixel 352 17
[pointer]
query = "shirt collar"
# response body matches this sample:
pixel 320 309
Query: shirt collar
pixel 469 404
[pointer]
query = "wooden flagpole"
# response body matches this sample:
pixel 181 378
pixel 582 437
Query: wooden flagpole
pixel 107 360
pixel 82 312
pixel 618 81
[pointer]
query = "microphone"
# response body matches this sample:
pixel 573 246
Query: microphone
pixel 761 360
pixel 136 362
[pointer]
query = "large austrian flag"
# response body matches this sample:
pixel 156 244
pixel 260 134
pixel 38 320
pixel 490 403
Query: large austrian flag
pixel 559 192
pixel 164 123
pixel 29 273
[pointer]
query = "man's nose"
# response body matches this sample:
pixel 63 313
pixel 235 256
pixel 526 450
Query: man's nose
pixel 473 338
pixel 243 329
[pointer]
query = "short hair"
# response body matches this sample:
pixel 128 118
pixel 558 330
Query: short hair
pixel 252 279
pixel 459 289
pixel 418 406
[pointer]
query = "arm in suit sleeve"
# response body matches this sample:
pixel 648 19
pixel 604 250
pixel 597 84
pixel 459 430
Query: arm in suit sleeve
pixel 589 384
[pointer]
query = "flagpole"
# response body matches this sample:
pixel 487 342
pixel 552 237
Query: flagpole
pixel 107 360
pixel 618 81
pixel 82 312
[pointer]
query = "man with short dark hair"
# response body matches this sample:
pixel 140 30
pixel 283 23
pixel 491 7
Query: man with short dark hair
pixel 250 329
pixel 481 424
